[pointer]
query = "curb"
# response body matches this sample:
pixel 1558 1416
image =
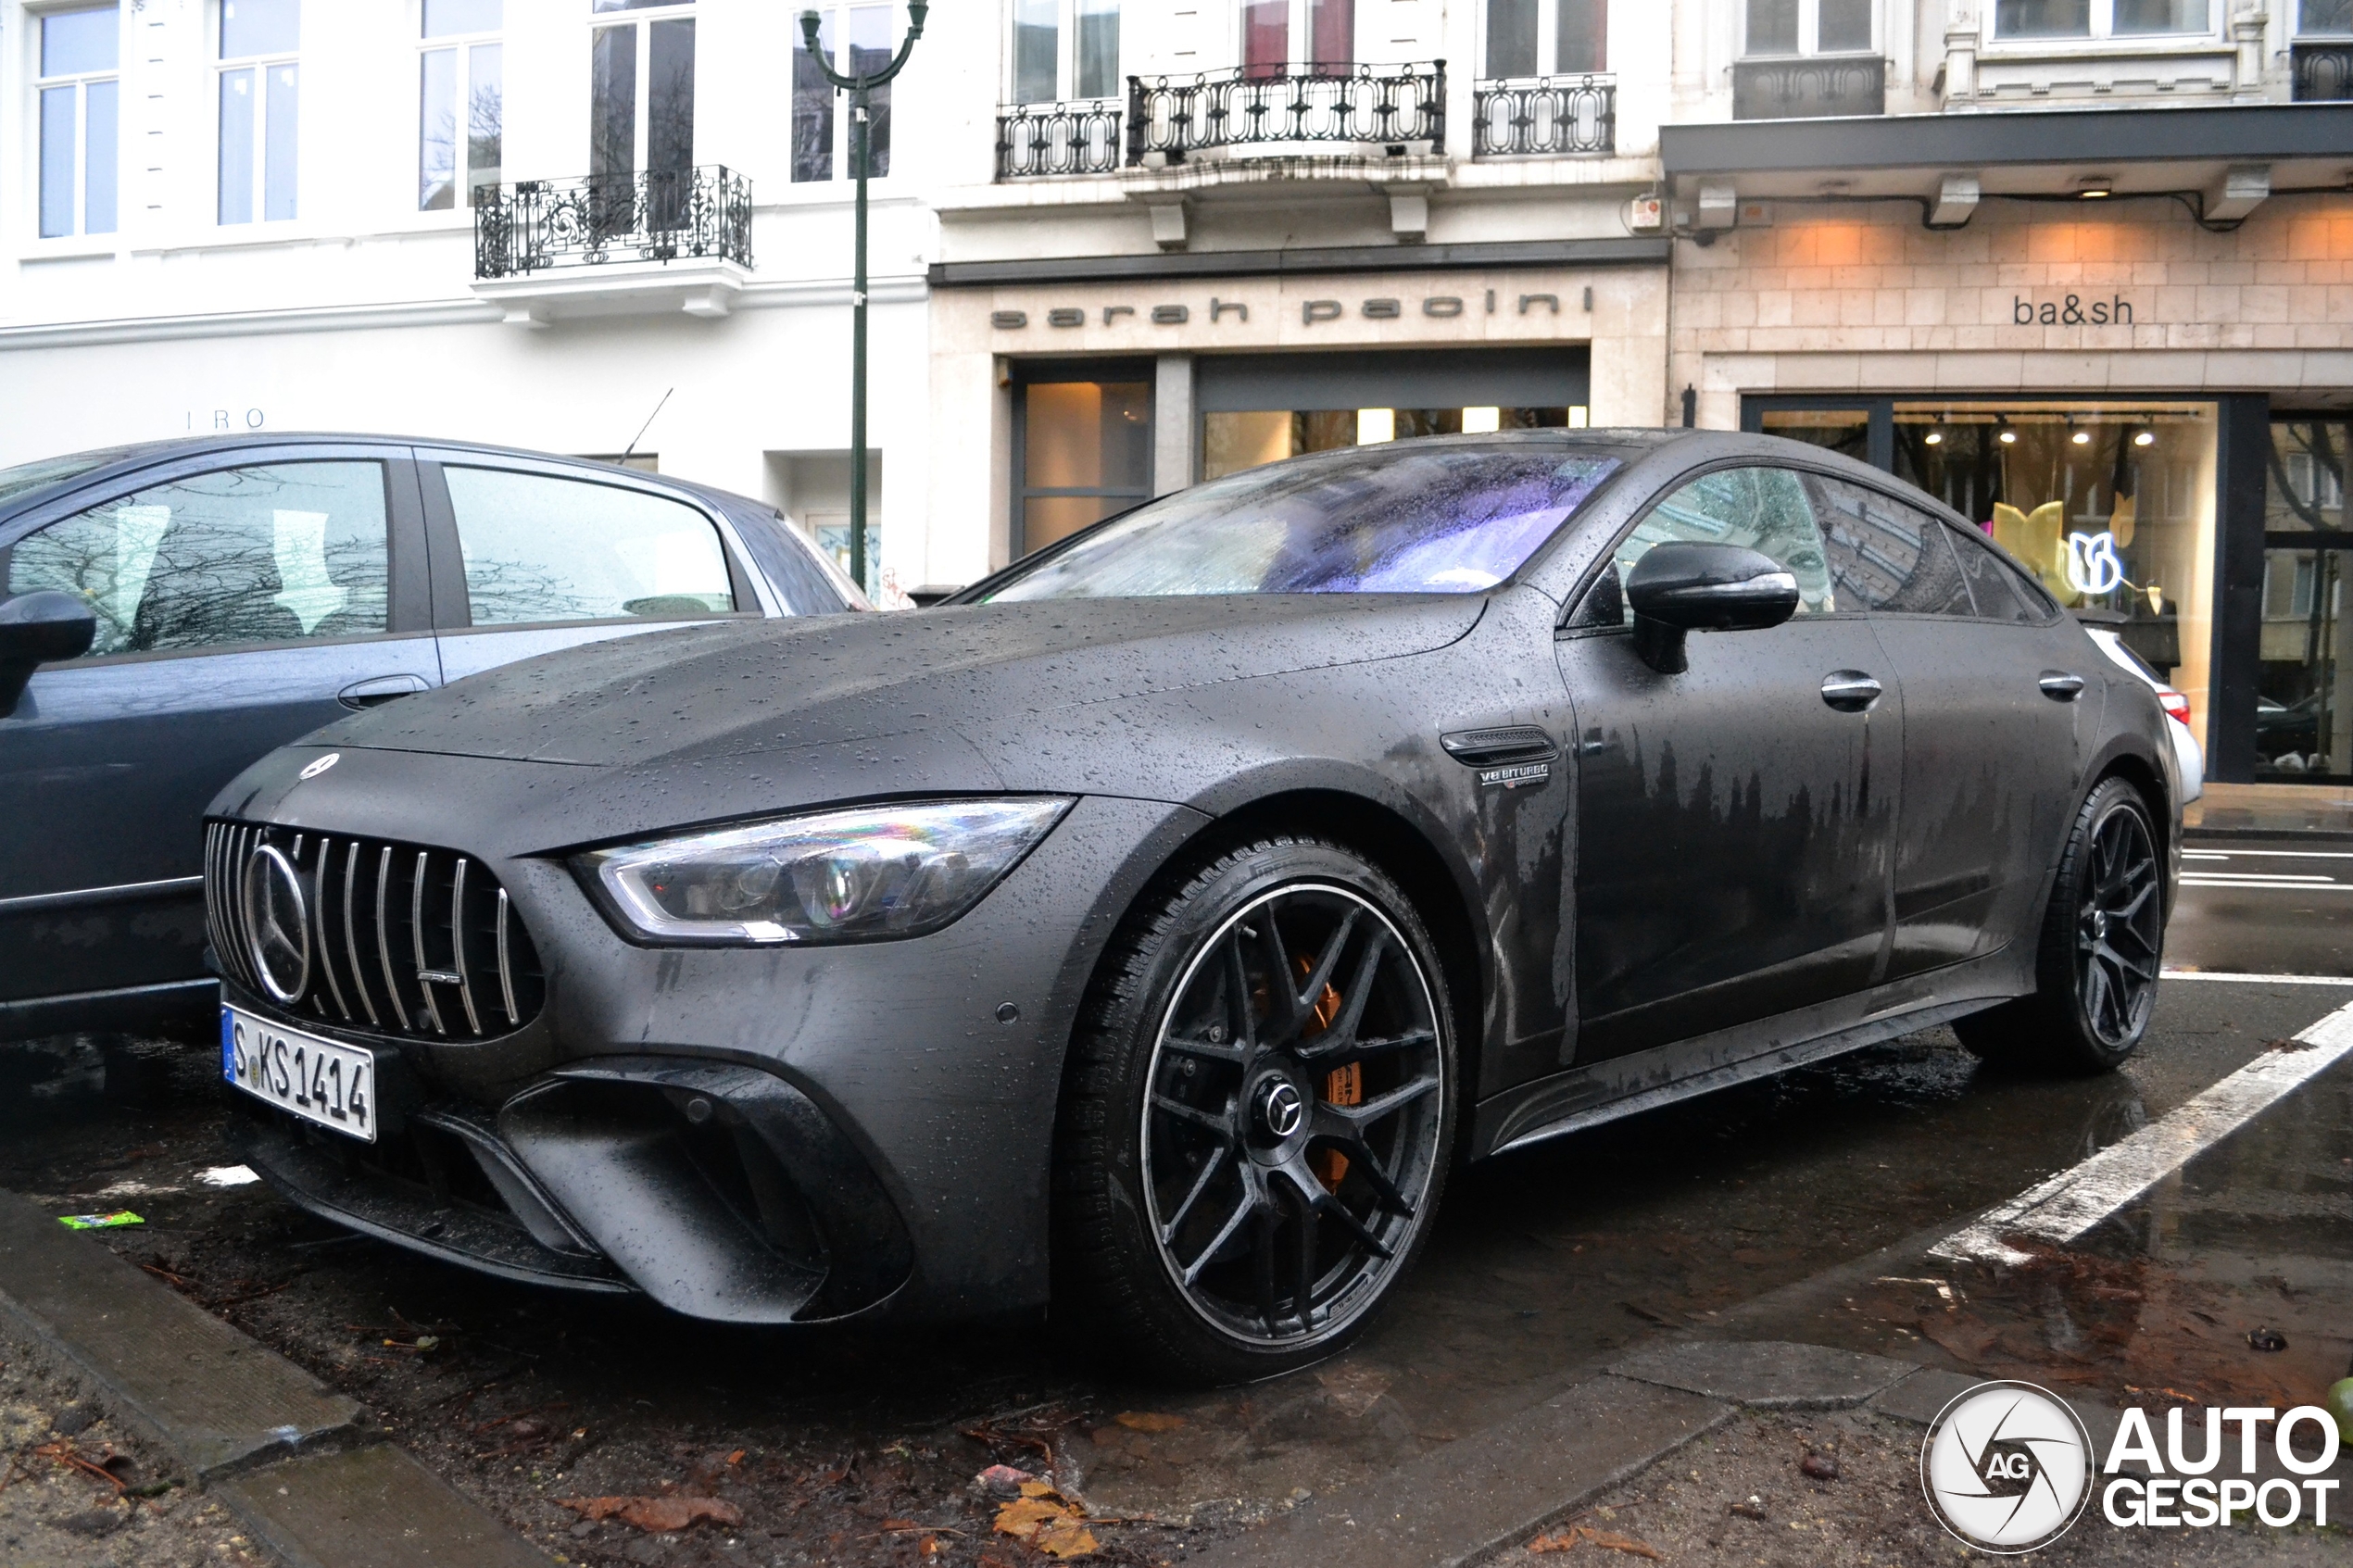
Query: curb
pixel 298 1461
pixel 1463 1502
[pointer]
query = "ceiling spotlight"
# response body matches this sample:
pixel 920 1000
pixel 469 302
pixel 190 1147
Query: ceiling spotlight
pixel 2147 438
pixel 2095 187
pixel 2008 438
pixel 2082 438
pixel 1935 438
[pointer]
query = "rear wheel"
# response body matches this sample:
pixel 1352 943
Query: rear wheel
pixel 2102 942
pixel 1256 1121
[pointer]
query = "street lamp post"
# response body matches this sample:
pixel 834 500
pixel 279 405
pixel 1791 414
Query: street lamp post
pixel 861 90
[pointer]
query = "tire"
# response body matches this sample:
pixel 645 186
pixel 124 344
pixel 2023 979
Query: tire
pixel 2101 947
pixel 1217 1165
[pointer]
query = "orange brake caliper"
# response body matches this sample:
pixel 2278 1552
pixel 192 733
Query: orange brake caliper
pixel 1343 1086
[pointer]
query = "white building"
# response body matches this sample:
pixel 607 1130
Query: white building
pixel 1119 245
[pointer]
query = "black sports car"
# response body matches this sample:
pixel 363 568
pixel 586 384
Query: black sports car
pixel 1153 927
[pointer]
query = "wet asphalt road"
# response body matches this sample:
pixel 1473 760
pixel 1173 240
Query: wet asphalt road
pixel 2264 907
pixel 1746 1213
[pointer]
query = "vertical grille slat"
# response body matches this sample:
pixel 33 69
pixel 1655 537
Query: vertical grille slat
pixel 355 927
pixel 457 943
pixel 506 963
pixel 318 918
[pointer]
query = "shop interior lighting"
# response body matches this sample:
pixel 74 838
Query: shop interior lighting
pixel 2095 187
pixel 1935 438
pixel 2082 438
pixel 1478 421
pixel 2147 438
pixel 2008 438
pixel 1376 426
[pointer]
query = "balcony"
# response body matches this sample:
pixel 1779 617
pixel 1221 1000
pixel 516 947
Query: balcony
pixel 656 215
pixel 1545 116
pixel 1040 140
pixel 2322 72
pixel 1397 111
pixel 1808 86
pixel 614 245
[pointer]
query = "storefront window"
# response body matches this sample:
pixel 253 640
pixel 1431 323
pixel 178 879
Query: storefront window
pixel 1841 430
pixel 1237 440
pixel 2111 505
pixel 2304 699
pixel 1085 453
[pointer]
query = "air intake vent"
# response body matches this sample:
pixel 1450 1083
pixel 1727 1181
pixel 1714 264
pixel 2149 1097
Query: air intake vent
pixel 393 938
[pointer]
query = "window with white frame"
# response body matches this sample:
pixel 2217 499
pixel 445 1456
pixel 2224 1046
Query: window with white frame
pixel 1812 27
pixel 461 101
pixel 641 92
pixel 78 95
pixel 2324 18
pixel 2102 18
pixel 260 86
pixel 856 39
pixel 1066 49
pixel 1279 35
pixel 1546 38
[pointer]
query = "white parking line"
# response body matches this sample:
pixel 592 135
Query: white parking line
pixel 2277 884
pixel 2256 979
pixel 2057 1211
pixel 2268 854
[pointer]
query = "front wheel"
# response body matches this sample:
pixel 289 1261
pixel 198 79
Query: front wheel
pixel 2102 943
pixel 1256 1122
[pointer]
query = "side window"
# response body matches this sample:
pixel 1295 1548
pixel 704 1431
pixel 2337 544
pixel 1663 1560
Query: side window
pixel 541 548
pixel 1886 556
pixel 2001 591
pixel 1760 509
pixel 287 553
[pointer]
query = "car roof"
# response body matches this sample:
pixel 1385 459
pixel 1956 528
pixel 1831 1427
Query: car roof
pixel 133 456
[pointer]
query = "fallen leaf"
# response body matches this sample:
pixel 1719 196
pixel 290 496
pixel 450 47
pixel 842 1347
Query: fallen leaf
pixel 1024 1517
pixel 1626 1544
pixel 1066 1537
pixel 1149 1420
pixel 1033 1488
pixel 657 1514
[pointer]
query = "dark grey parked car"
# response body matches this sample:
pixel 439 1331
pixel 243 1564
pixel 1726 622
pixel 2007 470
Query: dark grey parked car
pixel 199 602
pixel 1155 925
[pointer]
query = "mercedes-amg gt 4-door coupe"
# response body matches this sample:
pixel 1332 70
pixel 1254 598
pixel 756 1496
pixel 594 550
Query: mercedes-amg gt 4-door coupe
pixel 1153 927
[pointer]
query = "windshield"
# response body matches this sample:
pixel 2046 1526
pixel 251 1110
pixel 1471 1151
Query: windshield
pixel 1442 517
pixel 51 471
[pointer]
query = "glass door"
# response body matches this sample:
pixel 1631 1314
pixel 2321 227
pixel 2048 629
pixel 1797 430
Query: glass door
pixel 2303 709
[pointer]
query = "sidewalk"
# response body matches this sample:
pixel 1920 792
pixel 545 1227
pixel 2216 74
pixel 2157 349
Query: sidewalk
pixel 2271 811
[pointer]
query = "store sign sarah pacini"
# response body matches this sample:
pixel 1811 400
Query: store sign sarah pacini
pixel 1441 307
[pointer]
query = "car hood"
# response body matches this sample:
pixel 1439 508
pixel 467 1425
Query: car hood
pixel 737 689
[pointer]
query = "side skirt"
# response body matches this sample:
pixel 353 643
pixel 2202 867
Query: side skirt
pixel 1587 1097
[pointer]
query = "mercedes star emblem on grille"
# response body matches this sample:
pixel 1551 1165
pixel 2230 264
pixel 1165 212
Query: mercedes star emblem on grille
pixel 277 922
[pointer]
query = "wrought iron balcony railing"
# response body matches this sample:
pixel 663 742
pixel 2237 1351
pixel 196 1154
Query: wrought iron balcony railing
pixel 1074 138
pixel 1399 108
pixel 1808 86
pixel 2322 72
pixel 1542 115
pixel 653 215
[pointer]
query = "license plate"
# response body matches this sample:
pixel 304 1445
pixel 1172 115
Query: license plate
pixel 317 1080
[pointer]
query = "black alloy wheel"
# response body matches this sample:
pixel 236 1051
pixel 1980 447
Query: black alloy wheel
pixel 2102 947
pixel 1272 1101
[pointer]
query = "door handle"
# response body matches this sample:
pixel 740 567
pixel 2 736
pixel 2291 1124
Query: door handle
pixel 1850 691
pixel 2059 685
pixel 379 689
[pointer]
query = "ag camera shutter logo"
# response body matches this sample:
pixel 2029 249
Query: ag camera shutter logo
pixel 2007 1467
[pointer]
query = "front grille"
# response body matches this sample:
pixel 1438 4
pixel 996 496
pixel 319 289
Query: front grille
pixel 401 939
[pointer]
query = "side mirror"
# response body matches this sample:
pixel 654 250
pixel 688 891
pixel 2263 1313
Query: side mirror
pixel 34 629
pixel 1676 588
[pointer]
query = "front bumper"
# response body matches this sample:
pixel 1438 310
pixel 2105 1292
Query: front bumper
pixel 755 1135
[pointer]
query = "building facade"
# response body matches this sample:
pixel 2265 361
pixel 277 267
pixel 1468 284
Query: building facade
pixel 2083 267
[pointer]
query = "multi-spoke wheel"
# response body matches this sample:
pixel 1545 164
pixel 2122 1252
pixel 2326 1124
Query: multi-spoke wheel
pixel 1258 1115
pixel 2103 941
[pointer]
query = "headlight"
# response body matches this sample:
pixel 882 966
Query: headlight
pixel 864 874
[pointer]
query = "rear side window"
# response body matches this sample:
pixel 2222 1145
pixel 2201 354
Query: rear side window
pixel 1885 556
pixel 2001 591
pixel 286 553
pixel 540 548
pixel 1760 509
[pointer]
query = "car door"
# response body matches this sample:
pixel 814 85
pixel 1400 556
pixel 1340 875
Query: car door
pixel 1995 726
pixel 1733 821
pixel 534 558
pixel 240 604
